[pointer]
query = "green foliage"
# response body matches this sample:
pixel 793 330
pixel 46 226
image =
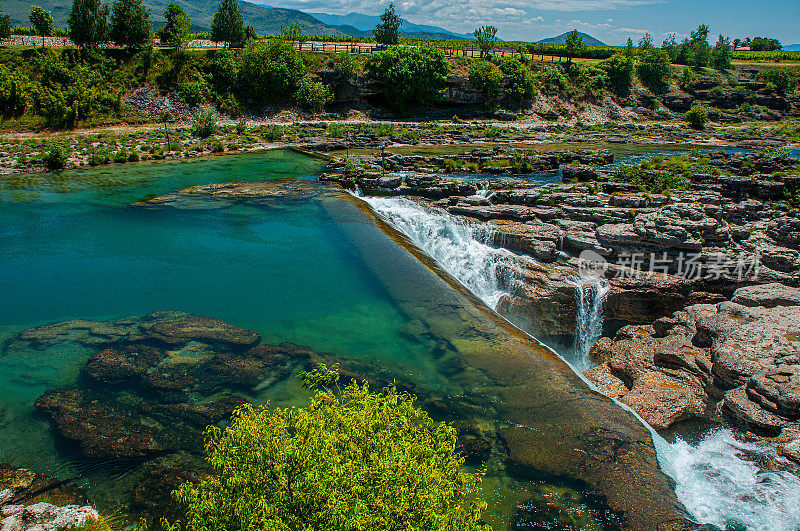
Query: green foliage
pixel 5 26
pixel 654 69
pixel 785 80
pixel 388 30
pixel 88 22
pixel 130 23
pixel 293 33
pixel 655 181
pixel 520 81
pixel 574 46
pixel 227 25
pixel 224 72
pixel 175 32
pixel 15 94
pixel 345 65
pixel 204 124
pixel 721 54
pixel 56 156
pixel 273 133
pixel 487 38
pixel 592 79
pixel 349 460
pixel 409 75
pixel 697 117
pixel 486 77
pixel 553 81
pixel 619 70
pixel 196 89
pixel 765 44
pixel 42 21
pixel 271 70
pixel 313 95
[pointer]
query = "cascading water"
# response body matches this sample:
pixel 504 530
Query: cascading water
pixel 718 480
pixel 459 248
pixel 590 295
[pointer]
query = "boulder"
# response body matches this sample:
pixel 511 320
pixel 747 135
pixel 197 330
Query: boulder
pixel 200 328
pixel 767 295
pixel 46 517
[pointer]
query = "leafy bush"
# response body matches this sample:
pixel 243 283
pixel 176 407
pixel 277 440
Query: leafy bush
pixel 14 93
pixel 520 81
pixel 241 127
pixel 217 147
pixel 271 70
pixel 196 91
pixel 592 79
pixel 313 95
pixel 224 71
pixel 409 75
pixel 553 81
pixel 697 117
pixel 654 69
pixel 619 69
pixel 354 460
pixel 56 156
pixel 785 80
pixel 273 133
pixel 204 124
pixel 345 65
pixel 486 77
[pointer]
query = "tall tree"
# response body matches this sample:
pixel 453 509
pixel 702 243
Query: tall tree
pixel 573 44
pixel 646 42
pixel 294 33
pixel 42 22
pixel 700 51
pixel 88 22
pixel 228 25
pixel 721 54
pixel 175 32
pixel 486 37
pixel 388 31
pixel 5 26
pixel 130 23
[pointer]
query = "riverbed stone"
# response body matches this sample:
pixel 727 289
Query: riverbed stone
pixel 767 295
pixel 201 328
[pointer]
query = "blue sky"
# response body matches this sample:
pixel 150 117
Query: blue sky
pixel 611 21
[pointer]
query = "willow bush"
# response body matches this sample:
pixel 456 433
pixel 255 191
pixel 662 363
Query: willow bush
pixel 349 460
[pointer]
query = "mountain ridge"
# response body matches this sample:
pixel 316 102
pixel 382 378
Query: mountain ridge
pixel 588 40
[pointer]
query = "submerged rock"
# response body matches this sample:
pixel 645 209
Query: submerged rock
pixel 46 517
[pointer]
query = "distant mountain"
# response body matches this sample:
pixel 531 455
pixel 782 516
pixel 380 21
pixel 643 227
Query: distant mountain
pixel 588 40
pixel 792 48
pixel 266 20
pixel 367 23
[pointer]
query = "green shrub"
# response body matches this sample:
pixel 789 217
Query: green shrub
pixel 785 80
pixel 224 71
pixel 520 81
pixel 619 69
pixel 313 95
pixel 273 133
pixel 697 117
pixel 121 156
pixel 241 127
pixel 654 69
pixel 349 460
pixel 204 124
pixel 196 90
pixel 345 65
pixel 486 77
pixel 334 130
pixel 56 156
pixel 271 70
pixel 553 81
pixel 217 147
pixel 409 75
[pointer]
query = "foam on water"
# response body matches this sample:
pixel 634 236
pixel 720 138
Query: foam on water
pixel 720 482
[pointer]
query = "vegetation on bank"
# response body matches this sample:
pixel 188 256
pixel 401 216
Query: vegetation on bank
pixel 351 459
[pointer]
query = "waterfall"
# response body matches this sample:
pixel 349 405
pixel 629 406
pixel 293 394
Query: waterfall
pixel 460 248
pixel 590 295
pixel 718 480
pixel 721 482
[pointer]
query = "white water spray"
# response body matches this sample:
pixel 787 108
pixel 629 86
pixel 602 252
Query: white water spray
pixel 718 480
pixel 590 295
pixel 460 248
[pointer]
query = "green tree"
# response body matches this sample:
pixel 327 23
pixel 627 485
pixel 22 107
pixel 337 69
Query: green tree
pixel 42 22
pixel 228 25
pixel 619 69
pixel 629 48
pixel 721 54
pixel 764 44
pixel 349 460
pixel 670 47
pixel 175 32
pixel 785 80
pixel 409 75
pixel 654 69
pixel 388 31
pixel 271 70
pixel 573 44
pixel 487 38
pixel 486 77
pixel 294 33
pixel 699 53
pixel 5 25
pixel 646 42
pixel 520 81
pixel 345 65
pixel 130 23
pixel 88 22
pixel 250 33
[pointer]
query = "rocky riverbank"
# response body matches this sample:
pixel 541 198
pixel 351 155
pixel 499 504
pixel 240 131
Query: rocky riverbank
pixel 701 254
